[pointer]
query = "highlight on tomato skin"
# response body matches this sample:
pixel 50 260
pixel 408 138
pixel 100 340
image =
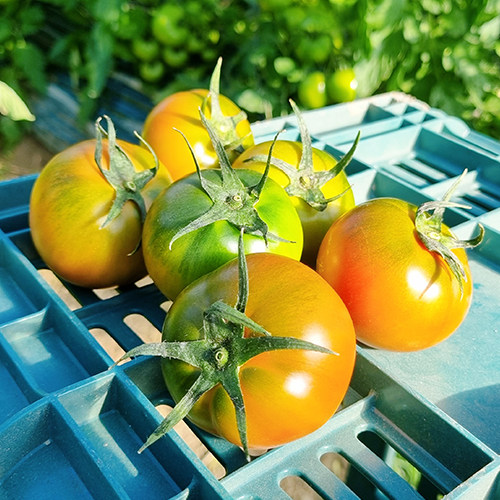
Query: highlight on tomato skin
pixel 401 296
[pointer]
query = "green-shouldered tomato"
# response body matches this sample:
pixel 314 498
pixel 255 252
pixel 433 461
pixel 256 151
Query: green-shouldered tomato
pixel 87 228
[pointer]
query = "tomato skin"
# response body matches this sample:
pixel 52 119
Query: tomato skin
pixel 181 111
pixel 205 249
pixel 315 224
pixel 401 296
pixel 287 394
pixel 69 202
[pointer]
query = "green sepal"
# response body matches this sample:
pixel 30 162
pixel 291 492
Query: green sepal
pixel 181 410
pixel 305 182
pixel 430 231
pixel 232 200
pixel 224 126
pixel 121 174
pixel 219 356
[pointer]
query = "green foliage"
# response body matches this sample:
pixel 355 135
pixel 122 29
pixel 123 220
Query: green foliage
pixel 444 52
pixel 22 64
pixel 12 106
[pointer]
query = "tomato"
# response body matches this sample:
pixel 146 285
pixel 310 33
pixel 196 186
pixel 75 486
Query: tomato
pixel 401 296
pixel 317 49
pixel 307 164
pixel 341 86
pixel 70 201
pixel 132 23
pixel 203 250
pixel 195 44
pixel 294 17
pixel 312 90
pixel 151 71
pixel 144 49
pixel 181 111
pixel 168 26
pixel 175 58
pixel 315 223
pixel 283 356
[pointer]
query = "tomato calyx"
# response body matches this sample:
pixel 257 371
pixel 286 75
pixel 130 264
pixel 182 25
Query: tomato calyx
pixel 305 182
pixel 121 174
pixel 224 126
pixel 430 231
pixel 232 200
pixel 220 354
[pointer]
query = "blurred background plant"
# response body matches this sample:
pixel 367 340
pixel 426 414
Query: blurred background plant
pixel 318 52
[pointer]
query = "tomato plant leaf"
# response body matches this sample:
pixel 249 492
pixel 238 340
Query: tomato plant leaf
pixel 12 105
pixel 99 59
pixel 31 61
pixel 31 19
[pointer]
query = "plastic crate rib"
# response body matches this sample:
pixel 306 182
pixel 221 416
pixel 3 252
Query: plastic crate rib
pixel 421 425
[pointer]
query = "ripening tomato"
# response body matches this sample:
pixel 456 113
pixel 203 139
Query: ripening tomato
pixel 181 111
pixel 286 393
pixel 315 223
pixel 70 201
pixel 401 296
pixel 174 264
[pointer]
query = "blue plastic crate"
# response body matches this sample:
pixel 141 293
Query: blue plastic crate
pixel 70 427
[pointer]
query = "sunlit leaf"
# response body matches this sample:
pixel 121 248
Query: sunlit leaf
pixel 12 105
pixel 385 14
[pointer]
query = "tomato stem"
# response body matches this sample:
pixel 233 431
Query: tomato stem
pixel 220 354
pixel 232 200
pixel 121 173
pixel 305 182
pixel 430 231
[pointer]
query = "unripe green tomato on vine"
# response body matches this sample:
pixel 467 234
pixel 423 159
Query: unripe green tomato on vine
pixel 312 90
pixel 151 71
pixel 145 50
pixel 168 26
pixel 341 86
